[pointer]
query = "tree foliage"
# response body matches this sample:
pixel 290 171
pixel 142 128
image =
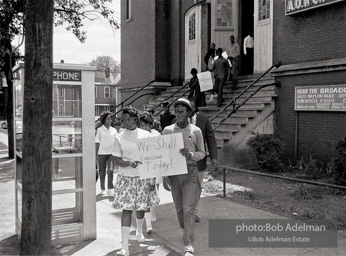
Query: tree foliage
pixel 69 13
pixel 73 12
pixel 103 62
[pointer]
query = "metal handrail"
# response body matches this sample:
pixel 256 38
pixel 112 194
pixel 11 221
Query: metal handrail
pixel 172 101
pixel 122 103
pixel 140 96
pixel 141 89
pixel 233 102
pixel 173 95
pixel 234 110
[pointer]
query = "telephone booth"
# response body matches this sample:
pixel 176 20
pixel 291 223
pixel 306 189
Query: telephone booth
pixel 73 152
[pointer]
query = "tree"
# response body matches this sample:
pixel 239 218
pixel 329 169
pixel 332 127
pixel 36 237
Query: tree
pixel 66 12
pixel 104 62
pixel 11 21
pixel 37 139
pixel 37 121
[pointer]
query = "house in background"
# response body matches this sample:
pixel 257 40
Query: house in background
pixel 106 91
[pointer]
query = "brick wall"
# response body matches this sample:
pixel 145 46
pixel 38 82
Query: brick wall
pixel 318 131
pixel 176 48
pixel 162 40
pixel 137 44
pixel 312 35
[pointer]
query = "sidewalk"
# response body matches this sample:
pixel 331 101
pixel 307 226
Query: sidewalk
pixel 167 237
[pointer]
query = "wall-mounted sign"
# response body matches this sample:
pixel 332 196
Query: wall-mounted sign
pixel 320 98
pixel 66 75
pixel 295 6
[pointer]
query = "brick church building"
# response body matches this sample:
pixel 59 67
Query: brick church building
pixel 162 40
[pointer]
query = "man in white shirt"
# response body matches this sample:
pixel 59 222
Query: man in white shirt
pixel 248 52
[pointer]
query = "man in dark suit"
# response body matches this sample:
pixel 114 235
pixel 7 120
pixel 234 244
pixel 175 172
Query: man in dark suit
pixel 220 69
pixel 167 117
pixel 203 123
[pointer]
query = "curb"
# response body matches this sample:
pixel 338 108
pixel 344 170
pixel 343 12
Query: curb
pixel 168 244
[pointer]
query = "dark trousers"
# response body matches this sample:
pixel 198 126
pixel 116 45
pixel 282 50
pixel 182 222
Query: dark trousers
pixel 185 193
pixel 219 84
pixel 103 159
pixel 249 61
pixel 234 71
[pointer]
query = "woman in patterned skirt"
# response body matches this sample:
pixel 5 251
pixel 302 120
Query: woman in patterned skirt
pixel 130 192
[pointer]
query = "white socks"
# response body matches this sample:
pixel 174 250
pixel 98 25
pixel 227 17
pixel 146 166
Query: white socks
pixel 153 214
pixel 125 232
pixel 139 234
pixel 147 217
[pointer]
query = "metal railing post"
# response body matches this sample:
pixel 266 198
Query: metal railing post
pixel 224 183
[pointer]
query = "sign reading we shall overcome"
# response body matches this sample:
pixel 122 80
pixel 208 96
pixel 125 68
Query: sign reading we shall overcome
pixel 160 156
pixel 320 98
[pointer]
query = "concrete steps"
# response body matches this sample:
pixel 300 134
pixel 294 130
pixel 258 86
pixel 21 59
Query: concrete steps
pixel 247 117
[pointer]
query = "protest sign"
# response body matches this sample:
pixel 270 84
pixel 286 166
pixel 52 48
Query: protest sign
pixel 205 81
pixel 160 156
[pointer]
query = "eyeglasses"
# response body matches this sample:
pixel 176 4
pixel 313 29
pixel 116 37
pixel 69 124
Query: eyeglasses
pixel 123 120
pixel 180 113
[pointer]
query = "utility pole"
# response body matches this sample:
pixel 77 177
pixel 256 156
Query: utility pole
pixel 37 129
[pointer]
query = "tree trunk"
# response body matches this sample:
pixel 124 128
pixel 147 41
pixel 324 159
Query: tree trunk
pixel 37 129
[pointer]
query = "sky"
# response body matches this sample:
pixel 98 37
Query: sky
pixel 101 40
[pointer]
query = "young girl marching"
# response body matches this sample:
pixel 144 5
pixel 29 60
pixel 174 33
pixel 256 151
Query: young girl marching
pixel 130 192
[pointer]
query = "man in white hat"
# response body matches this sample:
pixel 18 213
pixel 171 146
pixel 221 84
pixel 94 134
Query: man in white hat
pixel 185 187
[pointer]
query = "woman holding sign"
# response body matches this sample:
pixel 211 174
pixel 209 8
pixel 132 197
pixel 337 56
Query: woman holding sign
pixel 130 192
pixel 195 90
pixel 146 122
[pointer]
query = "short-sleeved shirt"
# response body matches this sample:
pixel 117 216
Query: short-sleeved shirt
pixel 193 140
pixel 106 139
pixel 125 146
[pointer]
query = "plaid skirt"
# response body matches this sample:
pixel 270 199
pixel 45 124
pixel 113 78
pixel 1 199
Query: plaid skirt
pixel 132 193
